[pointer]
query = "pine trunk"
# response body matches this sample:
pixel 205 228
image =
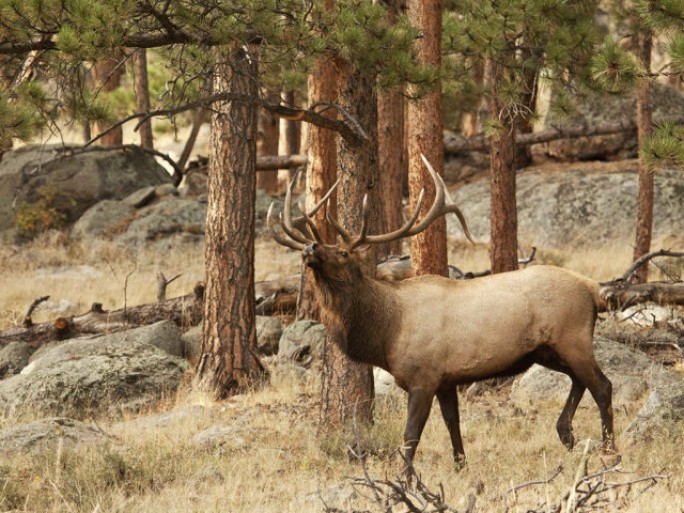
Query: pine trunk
pixel 504 217
pixel 107 74
pixel 320 175
pixel 142 96
pixel 644 229
pixel 267 145
pixel 289 138
pixel 228 363
pixel 429 248
pixel 348 386
pixel 392 150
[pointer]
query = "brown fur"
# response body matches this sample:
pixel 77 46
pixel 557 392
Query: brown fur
pixel 432 333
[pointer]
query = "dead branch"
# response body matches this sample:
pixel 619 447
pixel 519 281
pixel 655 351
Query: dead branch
pixel 631 271
pixel 27 318
pixel 348 131
pixel 274 162
pixel 453 146
pixel 621 293
pixel 589 492
pixel 162 284
pixel 184 311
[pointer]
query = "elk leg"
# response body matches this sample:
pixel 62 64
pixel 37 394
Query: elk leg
pixel 419 405
pixel 601 389
pixel 564 424
pixel 448 403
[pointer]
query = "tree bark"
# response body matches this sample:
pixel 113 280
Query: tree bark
pixel 644 227
pixel 425 136
pixel 392 149
pixel 142 97
pixel 504 217
pixel 347 390
pixel 267 145
pixel 228 363
pixel 320 175
pixel 289 138
pixel 107 74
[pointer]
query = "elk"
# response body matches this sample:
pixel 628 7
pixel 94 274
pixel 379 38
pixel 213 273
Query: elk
pixel 432 333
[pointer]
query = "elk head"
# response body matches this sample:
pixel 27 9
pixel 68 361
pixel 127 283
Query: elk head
pixel 339 263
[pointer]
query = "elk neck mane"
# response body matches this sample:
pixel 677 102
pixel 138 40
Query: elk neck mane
pixel 364 310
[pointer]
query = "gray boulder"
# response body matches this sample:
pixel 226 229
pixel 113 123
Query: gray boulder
pixel 302 341
pixel 84 377
pixel 14 357
pixel 170 217
pixel 70 184
pixel 592 110
pixel 47 433
pixel 576 207
pixel 268 332
pixel 661 417
pixel 104 219
pixel 632 373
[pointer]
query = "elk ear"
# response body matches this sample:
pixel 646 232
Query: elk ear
pixel 363 254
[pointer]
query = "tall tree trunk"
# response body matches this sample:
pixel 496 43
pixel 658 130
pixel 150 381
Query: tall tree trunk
pixel 320 175
pixel 425 136
pixel 228 363
pixel 267 144
pixel 392 150
pixel 107 74
pixel 289 137
pixel 644 229
pixel 142 96
pixel 523 121
pixel 504 217
pixel 347 385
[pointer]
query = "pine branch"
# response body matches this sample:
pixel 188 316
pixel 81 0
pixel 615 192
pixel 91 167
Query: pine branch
pixel 350 130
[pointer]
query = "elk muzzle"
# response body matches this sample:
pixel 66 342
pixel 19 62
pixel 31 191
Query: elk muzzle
pixel 309 255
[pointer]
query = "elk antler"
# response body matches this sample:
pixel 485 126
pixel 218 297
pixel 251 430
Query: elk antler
pixel 443 204
pixel 298 239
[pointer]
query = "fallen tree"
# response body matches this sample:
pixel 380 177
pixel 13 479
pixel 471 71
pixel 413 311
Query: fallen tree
pixel 622 293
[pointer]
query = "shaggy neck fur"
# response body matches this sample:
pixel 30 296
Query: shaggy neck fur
pixel 358 313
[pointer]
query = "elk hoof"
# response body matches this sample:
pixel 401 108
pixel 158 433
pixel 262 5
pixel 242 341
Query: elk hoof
pixel 460 462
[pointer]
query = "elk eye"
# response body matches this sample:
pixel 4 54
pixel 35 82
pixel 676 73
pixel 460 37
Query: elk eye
pixel 342 253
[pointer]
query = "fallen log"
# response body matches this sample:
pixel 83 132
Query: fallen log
pixel 185 311
pixel 272 297
pixel 620 296
pixel 621 293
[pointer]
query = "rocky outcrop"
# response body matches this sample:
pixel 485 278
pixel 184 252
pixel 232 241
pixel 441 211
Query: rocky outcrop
pixel 593 110
pixel 48 433
pixel 14 357
pixel 661 417
pixel 302 341
pixel 632 373
pixel 577 206
pixel 83 377
pixel 46 179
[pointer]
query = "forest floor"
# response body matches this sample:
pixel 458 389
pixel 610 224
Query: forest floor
pixel 277 461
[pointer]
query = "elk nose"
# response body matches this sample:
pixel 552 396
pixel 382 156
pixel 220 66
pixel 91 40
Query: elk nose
pixel 308 250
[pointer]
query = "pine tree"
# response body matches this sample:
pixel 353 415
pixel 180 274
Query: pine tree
pixel 518 43
pixel 618 68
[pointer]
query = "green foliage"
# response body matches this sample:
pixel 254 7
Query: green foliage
pixel 524 39
pixel 32 219
pixel 613 69
pixel 665 146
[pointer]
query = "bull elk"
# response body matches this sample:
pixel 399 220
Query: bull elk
pixel 432 333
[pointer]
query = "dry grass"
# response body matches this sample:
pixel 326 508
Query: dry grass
pixel 277 462
pixel 53 265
